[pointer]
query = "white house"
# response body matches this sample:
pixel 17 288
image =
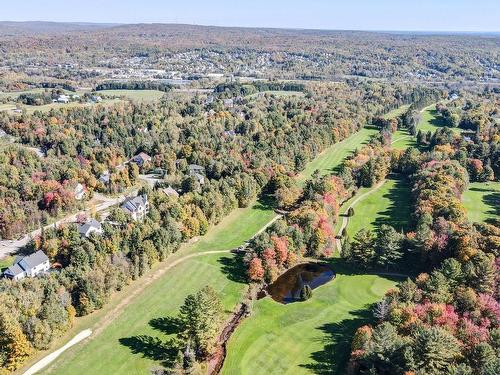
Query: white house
pixel 63 99
pixel 91 226
pixel 136 207
pixel 29 266
pixel 79 192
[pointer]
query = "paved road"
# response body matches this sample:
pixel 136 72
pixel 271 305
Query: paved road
pixel 8 247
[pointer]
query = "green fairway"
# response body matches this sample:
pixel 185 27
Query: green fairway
pixel 482 201
pixel 396 112
pixel 305 337
pixel 138 95
pixel 387 205
pixel 401 140
pixel 431 120
pixel 117 349
pixel 328 160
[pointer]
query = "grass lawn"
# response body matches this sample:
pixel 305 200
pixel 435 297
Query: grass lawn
pixel 48 107
pixel 331 158
pixel 139 95
pixel 482 201
pixel 387 205
pixel 430 120
pixel 305 337
pixel 401 140
pixel 6 262
pixel 396 112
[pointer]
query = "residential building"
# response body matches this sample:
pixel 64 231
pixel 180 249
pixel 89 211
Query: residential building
pixel 136 207
pixel 28 266
pixel 141 159
pixel 105 177
pixel 91 226
pixel 171 192
pixel 79 191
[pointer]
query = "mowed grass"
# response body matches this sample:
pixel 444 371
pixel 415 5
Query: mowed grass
pixel 117 348
pixel 137 95
pixel 328 160
pixel 482 201
pixel 431 120
pixel 305 337
pixel 387 205
pixel 396 112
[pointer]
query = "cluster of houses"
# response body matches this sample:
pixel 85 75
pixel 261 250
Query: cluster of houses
pixel 136 207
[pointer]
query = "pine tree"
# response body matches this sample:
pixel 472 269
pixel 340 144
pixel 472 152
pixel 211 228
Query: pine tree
pixel 200 318
pixel 434 350
pixel 388 246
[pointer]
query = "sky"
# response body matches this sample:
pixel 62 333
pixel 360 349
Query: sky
pixel 413 15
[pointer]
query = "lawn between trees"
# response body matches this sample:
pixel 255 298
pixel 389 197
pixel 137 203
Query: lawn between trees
pixel 127 344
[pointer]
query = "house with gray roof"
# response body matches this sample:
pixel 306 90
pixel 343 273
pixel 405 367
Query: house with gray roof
pixel 136 207
pixel 141 159
pixel 170 192
pixel 28 266
pixel 91 226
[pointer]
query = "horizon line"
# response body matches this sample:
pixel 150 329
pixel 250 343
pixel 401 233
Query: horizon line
pixel 259 27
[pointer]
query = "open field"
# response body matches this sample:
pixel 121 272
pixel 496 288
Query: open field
pixel 482 201
pixel 401 140
pixel 305 337
pixel 138 95
pixel 328 160
pixel 388 205
pixel 7 107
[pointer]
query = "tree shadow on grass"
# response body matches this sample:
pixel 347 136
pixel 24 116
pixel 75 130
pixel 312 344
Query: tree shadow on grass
pixel 265 202
pixel 437 119
pixel 398 214
pixel 234 267
pixel 493 202
pixel 154 348
pixel 337 344
pixel 169 325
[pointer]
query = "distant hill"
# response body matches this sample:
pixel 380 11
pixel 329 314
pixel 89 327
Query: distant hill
pixel 43 27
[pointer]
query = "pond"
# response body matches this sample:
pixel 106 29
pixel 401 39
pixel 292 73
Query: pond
pixel 287 287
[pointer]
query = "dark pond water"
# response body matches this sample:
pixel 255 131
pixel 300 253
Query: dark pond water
pixel 286 288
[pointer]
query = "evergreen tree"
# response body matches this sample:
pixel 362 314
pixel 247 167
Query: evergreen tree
pixel 388 246
pixel 200 318
pixel 434 350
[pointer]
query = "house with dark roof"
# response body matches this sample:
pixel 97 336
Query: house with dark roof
pixel 136 207
pixel 141 158
pixel 91 226
pixel 28 266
